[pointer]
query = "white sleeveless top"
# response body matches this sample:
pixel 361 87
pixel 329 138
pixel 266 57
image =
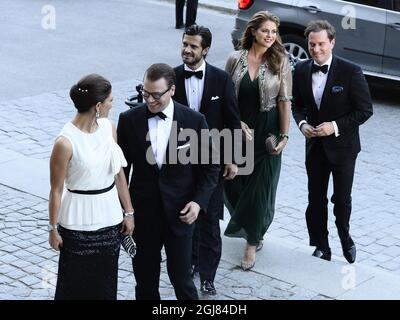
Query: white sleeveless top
pixel 96 159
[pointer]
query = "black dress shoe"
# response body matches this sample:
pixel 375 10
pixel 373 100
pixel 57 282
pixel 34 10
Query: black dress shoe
pixel 207 287
pixel 326 255
pixel 350 254
pixel 193 271
pixel 179 26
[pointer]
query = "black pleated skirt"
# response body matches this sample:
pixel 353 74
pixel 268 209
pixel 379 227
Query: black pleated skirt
pixel 88 264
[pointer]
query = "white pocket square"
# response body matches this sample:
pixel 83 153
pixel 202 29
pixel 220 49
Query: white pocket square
pixel 214 98
pixel 183 146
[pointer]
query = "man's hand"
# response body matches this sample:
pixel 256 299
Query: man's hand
pixel 230 171
pixel 308 131
pixel 325 129
pixel 190 212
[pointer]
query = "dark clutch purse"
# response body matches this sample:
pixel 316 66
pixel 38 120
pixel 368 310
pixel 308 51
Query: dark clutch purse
pixel 129 245
pixel 271 142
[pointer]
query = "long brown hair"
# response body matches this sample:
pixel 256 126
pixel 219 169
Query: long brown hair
pixel 276 52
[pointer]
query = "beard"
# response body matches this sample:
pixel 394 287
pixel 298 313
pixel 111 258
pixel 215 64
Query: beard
pixel 191 60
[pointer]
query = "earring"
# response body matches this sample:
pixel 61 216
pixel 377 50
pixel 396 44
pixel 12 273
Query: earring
pixel 97 113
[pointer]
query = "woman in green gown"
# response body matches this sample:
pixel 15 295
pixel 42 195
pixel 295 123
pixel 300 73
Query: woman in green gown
pixel 263 82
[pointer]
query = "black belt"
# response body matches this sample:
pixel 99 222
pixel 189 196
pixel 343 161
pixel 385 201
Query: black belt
pixel 93 191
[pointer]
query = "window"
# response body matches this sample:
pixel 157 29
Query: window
pixel 371 3
pixel 396 5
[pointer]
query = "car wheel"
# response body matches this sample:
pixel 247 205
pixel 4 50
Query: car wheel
pixel 296 47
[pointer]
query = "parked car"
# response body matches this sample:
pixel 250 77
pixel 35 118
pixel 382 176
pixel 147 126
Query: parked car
pixel 368 32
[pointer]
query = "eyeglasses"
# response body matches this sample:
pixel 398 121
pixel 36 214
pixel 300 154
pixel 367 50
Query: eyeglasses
pixel 155 95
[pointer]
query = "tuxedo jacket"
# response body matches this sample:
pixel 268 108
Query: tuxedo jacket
pixel 174 185
pixel 346 99
pixel 218 103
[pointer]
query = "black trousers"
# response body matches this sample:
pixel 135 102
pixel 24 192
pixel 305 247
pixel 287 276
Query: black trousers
pixel 319 169
pixel 207 242
pixel 151 234
pixel 191 12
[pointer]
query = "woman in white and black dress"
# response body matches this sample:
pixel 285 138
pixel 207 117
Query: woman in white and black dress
pixel 86 221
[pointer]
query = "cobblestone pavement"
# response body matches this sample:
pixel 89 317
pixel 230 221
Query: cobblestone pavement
pixel 29 267
pixel 29 125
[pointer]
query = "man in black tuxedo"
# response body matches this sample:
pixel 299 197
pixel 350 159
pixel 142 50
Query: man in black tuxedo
pixel 210 91
pixel 191 13
pixel 331 100
pixel 167 194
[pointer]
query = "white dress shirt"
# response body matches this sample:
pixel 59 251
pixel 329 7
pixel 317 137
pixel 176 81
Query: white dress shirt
pixel 160 131
pixel 194 88
pixel 319 81
pixel 318 86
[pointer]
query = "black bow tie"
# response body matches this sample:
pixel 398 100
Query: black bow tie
pixel 198 74
pixel 151 114
pixel 316 68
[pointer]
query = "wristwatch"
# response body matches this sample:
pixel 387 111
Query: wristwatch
pixel 51 227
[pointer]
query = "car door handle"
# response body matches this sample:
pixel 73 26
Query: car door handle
pixel 395 25
pixel 312 9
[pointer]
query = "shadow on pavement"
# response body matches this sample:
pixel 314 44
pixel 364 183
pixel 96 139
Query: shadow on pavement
pixel 385 91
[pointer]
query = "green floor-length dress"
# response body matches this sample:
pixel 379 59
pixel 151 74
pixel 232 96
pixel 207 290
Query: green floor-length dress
pixel 251 199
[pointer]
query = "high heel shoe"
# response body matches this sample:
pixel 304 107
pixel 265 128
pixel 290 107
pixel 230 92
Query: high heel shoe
pixel 259 245
pixel 247 266
pixel 249 252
